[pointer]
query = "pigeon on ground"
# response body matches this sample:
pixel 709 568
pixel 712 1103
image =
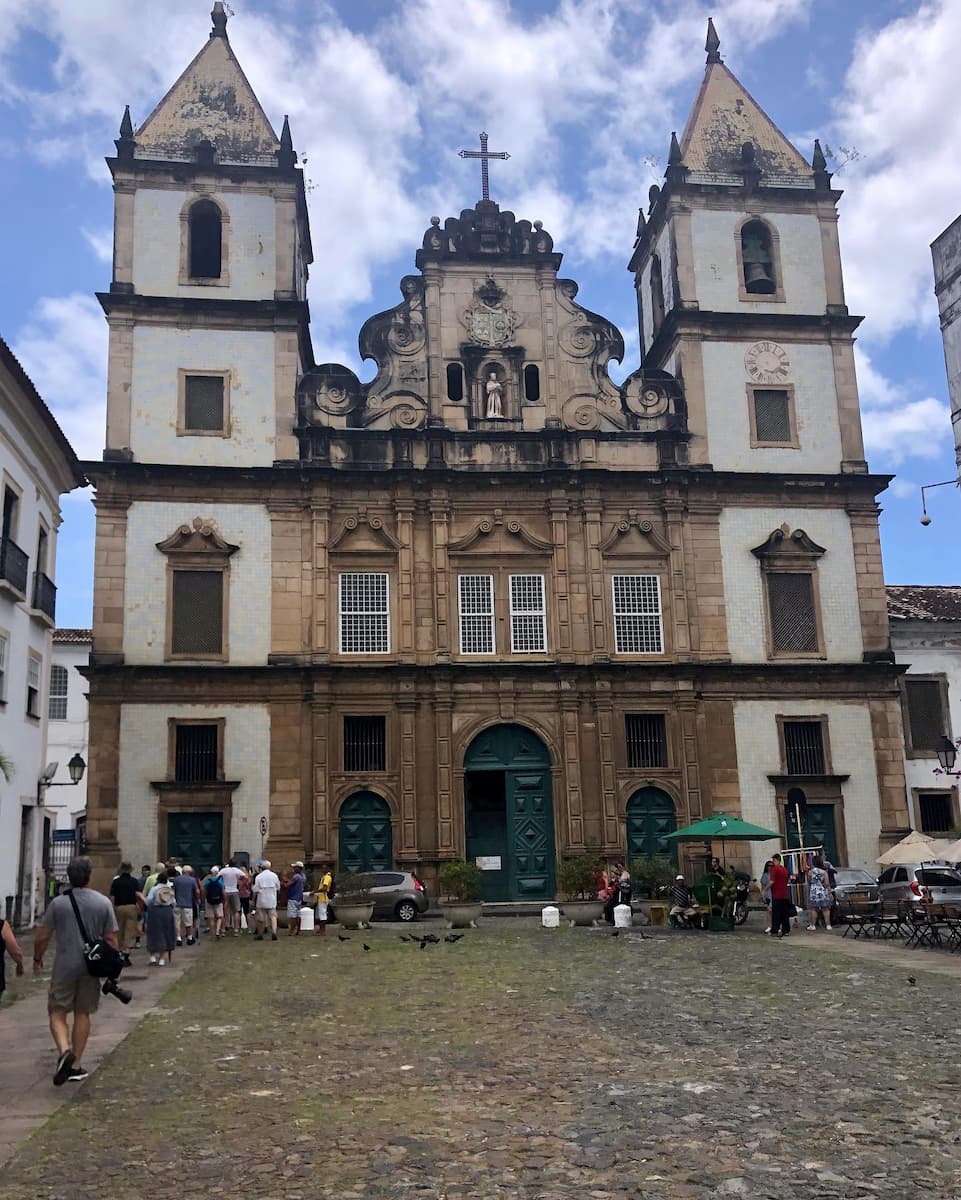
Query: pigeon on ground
pixel 432 937
pixel 403 939
pixel 453 937
pixel 424 944
pixel 342 939
pixel 912 982
pixel 366 947
pixel 616 933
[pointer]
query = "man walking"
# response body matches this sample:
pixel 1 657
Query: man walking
pixel 295 898
pixel 214 897
pixel 127 900
pixel 323 897
pixel 230 878
pixel 186 893
pixel 72 988
pixel 266 888
pixel 780 899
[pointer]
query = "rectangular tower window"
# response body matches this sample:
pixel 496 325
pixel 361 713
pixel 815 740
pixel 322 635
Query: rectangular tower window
pixel 197 617
pixel 638 628
pixel 772 417
pixel 804 747
pixel 528 614
pixel 646 739
pixel 33 686
pixel 203 406
pixel 794 626
pixel 365 743
pixel 57 700
pixel 476 605
pixel 927 718
pixel 935 811
pixel 196 753
pixel 364 613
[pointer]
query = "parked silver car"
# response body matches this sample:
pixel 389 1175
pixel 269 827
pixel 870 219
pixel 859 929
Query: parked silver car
pixel 851 883
pixel 915 883
pixel 398 894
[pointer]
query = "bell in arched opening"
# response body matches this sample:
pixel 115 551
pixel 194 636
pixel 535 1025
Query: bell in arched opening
pixel 757 259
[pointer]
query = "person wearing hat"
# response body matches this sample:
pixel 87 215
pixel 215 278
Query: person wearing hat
pixel 265 889
pixel 685 910
pixel 230 878
pixel 295 898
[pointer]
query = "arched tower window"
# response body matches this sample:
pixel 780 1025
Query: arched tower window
pixel 657 293
pixel 532 383
pixel 455 382
pixel 205 240
pixel 757 259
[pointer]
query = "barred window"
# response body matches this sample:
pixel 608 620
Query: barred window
pixel 196 753
pixel 804 747
pixel 476 599
pixel 528 614
pixel 934 808
pixel 364 613
pixel 203 403
pixel 794 627
pixel 646 739
pixel 638 628
pixel 197 619
pixel 927 720
pixel 365 743
pixel 57 700
pixel 772 416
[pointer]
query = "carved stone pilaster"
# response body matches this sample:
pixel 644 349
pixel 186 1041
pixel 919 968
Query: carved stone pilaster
pixel 559 515
pixel 323 849
pixel 440 533
pixel 570 741
pixel 443 748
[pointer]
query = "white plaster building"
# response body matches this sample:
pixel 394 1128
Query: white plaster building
pixel 926 637
pixel 37 466
pixel 946 255
pixel 68 730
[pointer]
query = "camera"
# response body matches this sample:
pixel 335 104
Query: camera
pixel 112 988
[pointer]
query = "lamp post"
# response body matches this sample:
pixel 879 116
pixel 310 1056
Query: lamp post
pixel 76 767
pixel 947 753
pixel 925 519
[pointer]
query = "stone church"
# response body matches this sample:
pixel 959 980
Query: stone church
pixel 491 603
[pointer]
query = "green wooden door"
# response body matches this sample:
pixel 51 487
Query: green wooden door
pixel 650 818
pixel 510 813
pixel 817 828
pixel 197 839
pixel 366 840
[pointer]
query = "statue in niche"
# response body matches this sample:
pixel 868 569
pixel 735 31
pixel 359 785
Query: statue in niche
pixel 495 398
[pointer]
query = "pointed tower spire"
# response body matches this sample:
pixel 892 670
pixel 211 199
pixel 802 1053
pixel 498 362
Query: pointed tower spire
pixel 218 16
pixel 125 143
pixel 674 157
pixel 676 171
pixel 713 43
pixel 286 155
pixel 822 176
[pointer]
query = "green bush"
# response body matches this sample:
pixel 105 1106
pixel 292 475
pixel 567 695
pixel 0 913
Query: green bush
pixel 352 889
pixel 460 881
pixel 577 877
pixel 653 875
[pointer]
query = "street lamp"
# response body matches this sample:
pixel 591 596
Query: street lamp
pixel 947 753
pixel 76 767
pixel 925 519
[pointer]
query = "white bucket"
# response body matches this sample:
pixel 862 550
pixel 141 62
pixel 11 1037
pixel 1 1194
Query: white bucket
pixel 307 920
pixel 622 916
pixel 550 917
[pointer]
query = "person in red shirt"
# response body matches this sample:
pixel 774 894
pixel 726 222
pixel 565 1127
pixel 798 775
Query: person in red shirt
pixel 780 899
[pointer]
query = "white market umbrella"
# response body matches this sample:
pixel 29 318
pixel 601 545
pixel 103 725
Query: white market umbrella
pixel 950 851
pixel 916 847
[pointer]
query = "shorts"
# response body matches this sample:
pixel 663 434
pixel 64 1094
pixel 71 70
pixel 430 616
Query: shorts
pixel 81 995
pixel 232 900
pixel 184 918
pixel 321 910
pixel 215 910
pixel 293 908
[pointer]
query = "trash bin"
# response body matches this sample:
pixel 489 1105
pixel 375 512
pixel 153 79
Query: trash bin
pixel 307 920
pixel 622 916
pixel 550 917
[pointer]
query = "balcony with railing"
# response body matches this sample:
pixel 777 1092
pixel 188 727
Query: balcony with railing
pixel 44 597
pixel 13 568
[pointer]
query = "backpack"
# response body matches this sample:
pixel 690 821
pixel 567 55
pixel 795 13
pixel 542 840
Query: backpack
pixel 214 891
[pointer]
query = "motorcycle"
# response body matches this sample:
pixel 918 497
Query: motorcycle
pixel 740 901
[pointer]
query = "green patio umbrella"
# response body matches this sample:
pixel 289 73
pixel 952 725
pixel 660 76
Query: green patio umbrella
pixel 721 828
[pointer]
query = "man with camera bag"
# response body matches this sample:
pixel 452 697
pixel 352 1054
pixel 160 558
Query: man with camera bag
pixel 73 987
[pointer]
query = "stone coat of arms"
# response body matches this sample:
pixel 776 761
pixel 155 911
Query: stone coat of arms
pixel 490 322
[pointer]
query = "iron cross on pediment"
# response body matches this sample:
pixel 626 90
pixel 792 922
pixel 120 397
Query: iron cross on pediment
pixel 485 156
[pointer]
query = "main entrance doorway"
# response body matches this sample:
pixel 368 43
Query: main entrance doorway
pixel 818 826
pixel 366 840
pixel 650 818
pixel 509 814
pixel 196 838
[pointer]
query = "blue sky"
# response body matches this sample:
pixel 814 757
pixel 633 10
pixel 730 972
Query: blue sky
pixel 583 93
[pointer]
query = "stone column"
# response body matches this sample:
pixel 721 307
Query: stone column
pixel 103 784
pixel 593 533
pixel 119 384
pixel 124 193
pixel 869 571
pixel 563 642
pixel 404 507
pixel 323 642
pixel 439 518
pixel 407 712
pixel 320 710
pixel 110 559
pixel 889 759
pixel 443 742
pixel 610 824
pixel 678 566
pixel 571 749
pixel 289 607
pixel 287 838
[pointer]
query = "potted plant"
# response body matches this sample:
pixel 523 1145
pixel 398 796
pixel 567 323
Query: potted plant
pixel 460 882
pixel 353 903
pixel 652 876
pixel 577 883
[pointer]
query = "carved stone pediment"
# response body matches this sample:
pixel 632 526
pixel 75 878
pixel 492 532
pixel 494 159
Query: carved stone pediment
pixel 486 230
pixel 635 537
pixel 199 538
pixel 497 534
pixel 784 548
pixel 329 391
pixel 364 533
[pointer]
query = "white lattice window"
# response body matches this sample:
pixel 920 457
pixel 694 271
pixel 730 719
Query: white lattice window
pixel 476 604
pixel 3 665
pixel 528 614
pixel 33 686
pixel 364 613
pixel 638 627
pixel 57 699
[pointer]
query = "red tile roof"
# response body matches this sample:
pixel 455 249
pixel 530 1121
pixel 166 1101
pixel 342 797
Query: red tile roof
pixel 75 637
pixel 916 602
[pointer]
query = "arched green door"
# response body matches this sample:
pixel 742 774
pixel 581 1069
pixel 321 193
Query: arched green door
pixel 366 842
pixel 509 813
pixel 650 818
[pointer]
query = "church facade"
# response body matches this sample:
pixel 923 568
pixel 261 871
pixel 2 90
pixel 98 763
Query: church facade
pixel 491 603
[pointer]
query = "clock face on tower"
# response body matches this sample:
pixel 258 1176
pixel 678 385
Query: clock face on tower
pixel 767 362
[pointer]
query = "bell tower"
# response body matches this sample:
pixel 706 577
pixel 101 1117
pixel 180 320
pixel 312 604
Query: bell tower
pixel 737 269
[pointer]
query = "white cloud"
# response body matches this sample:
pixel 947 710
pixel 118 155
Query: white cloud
pixel 63 348
pixel 100 242
pixel 896 424
pixel 899 108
